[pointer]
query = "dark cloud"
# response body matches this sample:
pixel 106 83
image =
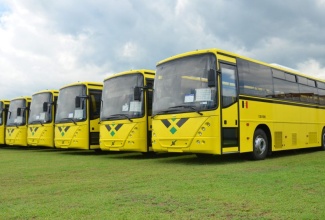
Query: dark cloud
pixel 100 37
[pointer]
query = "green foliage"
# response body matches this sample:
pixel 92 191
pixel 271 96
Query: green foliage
pixel 58 184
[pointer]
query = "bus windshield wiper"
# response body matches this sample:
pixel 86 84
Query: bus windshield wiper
pixel 187 106
pixel 39 121
pixel 164 111
pixel 119 115
pixel 71 119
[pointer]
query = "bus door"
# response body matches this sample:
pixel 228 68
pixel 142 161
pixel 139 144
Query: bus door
pixel 95 97
pixel 229 109
pixel 149 111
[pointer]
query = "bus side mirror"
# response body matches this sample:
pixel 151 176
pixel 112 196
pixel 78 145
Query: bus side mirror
pixel 77 102
pixel 45 106
pixel 137 93
pixel 18 111
pixel 211 78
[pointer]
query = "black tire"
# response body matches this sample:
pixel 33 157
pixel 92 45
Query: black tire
pixel 260 145
pixel 322 147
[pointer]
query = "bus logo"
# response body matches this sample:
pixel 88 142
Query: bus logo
pixel 33 130
pixel 113 128
pixel 10 131
pixel 174 124
pixel 63 130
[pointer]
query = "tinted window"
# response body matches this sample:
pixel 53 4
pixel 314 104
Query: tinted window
pixel 321 96
pixel 321 85
pixel 254 79
pixel 308 94
pixel 285 90
pixel 290 77
pixel 278 74
pixel 302 80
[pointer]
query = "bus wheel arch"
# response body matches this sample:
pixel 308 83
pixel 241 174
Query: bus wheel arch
pixel 262 145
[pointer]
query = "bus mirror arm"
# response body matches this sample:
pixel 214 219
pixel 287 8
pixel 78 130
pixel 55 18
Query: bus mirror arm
pixel 78 99
pixel 212 78
pixel 137 93
pixel 45 106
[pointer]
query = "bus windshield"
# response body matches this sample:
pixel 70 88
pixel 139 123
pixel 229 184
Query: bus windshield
pixel 118 98
pixel 181 85
pixel 37 115
pixel 67 110
pixel 17 112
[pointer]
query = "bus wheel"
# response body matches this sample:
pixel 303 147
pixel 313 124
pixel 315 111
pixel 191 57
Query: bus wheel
pixel 260 145
pixel 323 140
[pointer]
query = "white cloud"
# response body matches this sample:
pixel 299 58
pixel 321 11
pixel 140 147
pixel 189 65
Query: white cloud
pixel 320 2
pixel 47 44
pixel 312 67
pixel 129 50
pixel 34 57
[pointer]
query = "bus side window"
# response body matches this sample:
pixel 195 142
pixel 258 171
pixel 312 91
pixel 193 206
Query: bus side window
pixel 94 103
pixel 229 88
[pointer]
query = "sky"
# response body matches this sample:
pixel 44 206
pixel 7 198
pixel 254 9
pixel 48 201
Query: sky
pixel 49 44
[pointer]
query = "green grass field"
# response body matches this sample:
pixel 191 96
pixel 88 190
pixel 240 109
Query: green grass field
pixel 57 184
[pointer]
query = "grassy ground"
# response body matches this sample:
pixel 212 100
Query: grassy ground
pixel 53 184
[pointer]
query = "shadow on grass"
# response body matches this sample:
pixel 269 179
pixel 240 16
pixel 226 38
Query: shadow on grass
pixel 18 148
pixel 140 156
pixel 87 152
pixel 235 158
pixel 290 153
pixel 192 159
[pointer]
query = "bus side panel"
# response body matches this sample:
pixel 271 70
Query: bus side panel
pixel 39 135
pixel 290 126
pixel 16 136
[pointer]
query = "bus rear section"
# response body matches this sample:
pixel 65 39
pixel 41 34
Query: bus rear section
pixel 16 128
pixel 125 122
pixel 4 105
pixel 77 116
pixel 216 102
pixel 41 119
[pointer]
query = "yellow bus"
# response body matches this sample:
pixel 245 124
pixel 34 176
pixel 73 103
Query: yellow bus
pixel 16 128
pixel 126 111
pixel 213 102
pixel 41 118
pixel 4 105
pixel 77 116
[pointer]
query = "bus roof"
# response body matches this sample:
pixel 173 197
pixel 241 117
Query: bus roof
pixel 143 71
pixel 217 51
pixel 86 83
pixel 27 98
pixel 53 91
pixel 6 101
